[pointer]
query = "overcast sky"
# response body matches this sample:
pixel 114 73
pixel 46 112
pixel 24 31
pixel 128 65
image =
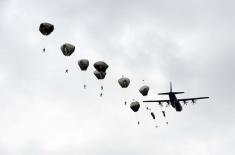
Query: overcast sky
pixel 44 111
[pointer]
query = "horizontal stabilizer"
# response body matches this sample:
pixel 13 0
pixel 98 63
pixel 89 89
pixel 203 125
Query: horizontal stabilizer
pixel 177 92
pixel 170 93
pixel 164 93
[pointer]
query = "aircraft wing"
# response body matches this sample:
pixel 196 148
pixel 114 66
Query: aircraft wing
pixel 159 101
pixel 184 100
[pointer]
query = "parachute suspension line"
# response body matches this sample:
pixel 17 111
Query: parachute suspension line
pixel 101 88
pixel 67 64
pixel 125 98
pixel 43 45
pixel 137 118
pixel 85 79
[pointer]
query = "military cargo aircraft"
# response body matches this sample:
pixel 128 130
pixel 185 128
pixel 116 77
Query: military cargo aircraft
pixel 173 101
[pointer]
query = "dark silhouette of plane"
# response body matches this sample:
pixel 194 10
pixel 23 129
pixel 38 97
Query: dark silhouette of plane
pixel 173 101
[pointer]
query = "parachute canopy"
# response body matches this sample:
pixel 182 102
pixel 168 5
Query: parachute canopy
pixel 135 106
pixel 67 49
pixel 99 75
pixel 83 64
pixel 101 66
pixel 144 90
pixel 46 28
pixel 124 82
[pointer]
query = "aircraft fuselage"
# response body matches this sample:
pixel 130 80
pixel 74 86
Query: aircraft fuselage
pixel 174 102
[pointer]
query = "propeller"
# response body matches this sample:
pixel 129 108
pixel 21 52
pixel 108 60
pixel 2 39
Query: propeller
pixel 185 102
pixel 193 101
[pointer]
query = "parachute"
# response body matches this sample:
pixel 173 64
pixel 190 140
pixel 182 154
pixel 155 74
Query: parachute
pixel 67 49
pixel 144 90
pixel 83 64
pixel 46 28
pixel 135 105
pixel 100 66
pixel 100 75
pixel 100 72
pixel 124 82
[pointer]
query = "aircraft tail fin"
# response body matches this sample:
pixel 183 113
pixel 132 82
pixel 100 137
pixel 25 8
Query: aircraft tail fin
pixel 170 87
pixel 167 93
pixel 171 92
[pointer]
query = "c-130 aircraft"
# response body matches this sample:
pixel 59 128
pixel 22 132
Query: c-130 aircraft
pixel 173 101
